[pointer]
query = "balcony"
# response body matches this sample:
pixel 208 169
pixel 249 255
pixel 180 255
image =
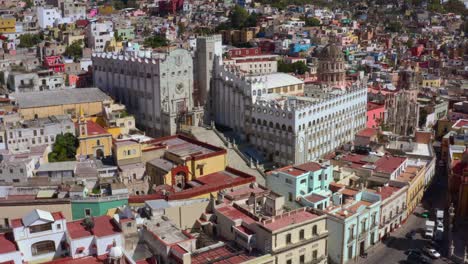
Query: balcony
pixel 321 235
pixel 351 238
pixel 100 198
pixel 363 234
pixel 317 260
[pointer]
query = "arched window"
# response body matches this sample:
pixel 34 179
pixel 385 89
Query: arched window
pixel 314 230
pixel 290 129
pixel 277 126
pixel 270 124
pixel 43 247
pixel 264 122
pixel 283 127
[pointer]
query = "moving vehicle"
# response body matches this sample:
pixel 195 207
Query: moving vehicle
pixel 440 215
pixel 429 232
pixel 432 252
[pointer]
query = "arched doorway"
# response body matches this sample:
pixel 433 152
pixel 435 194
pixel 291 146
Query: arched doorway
pixel 180 179
pixel 99 153
pixel 43 247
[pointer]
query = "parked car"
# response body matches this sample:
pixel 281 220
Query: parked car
pixel 425 214
pixel 432 252
pixel 417 259
pixel 410 234
pixel 413 251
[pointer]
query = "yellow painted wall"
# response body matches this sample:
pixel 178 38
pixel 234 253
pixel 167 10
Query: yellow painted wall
pixel 8 25
pixel 90 109
pixel 87 145
pixel 415 190
pixel 431 83
pixel 212 164
pixel 121 152
pixel 114 131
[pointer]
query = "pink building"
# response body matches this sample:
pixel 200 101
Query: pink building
pixel 375 114
pixel 54 63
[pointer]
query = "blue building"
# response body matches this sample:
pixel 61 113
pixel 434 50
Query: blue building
pixel 353 222
pixel 299 181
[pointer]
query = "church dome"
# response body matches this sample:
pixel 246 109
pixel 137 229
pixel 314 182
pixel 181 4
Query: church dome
pixel 331 52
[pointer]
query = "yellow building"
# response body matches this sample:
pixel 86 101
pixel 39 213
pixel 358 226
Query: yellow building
pixel 431 81
pixel 179 167
pixel 94 140
pixel 126 152
pixel 7 25
pixel 60 102
pixel 414 177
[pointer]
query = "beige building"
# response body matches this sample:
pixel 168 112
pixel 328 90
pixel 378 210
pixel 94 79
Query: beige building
pixel 60 102
pixel 253 219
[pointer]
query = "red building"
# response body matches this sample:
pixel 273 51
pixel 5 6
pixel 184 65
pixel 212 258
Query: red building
pixel 242 52
pixel 54 63
pixel 375 114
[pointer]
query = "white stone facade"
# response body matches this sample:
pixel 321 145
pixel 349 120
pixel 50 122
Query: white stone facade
pixel 157 88
pixel 99 35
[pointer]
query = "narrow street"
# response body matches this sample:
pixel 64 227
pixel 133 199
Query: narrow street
pixel 392 250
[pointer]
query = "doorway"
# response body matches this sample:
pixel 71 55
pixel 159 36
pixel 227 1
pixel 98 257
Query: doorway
pixel 362 248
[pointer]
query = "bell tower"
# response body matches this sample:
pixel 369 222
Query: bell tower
pixel 82 124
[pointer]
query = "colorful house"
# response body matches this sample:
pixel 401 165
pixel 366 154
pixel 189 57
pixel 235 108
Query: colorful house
pixel 353 223
pixel 96 206
pixel 307 183
pixel 54 63
pixel 94 140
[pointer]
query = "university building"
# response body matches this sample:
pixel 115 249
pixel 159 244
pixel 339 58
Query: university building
pixel 156 87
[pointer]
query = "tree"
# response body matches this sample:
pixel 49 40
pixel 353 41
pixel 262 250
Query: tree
pixel 156 41
pixel 28 4
pixel 238 16
pixel 455 6
pixel 64 148
pixel 312 22
pixel 74 50
pixel 29 40
pixel 298 67
pixel 394 26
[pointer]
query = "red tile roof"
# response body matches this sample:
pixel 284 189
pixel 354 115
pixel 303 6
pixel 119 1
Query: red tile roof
pixel 6 243
pixel 367 132
pixel 289 218
pixel 94 129
pixel 387 191
pixel 388 164
pixel 373 106
pixel 103 226
pixel 298 170
pixel 221 255
pixel 461 123
pixel 234 214
pixel 19 222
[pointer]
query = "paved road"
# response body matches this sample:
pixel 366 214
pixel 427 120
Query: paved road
pixel 392 250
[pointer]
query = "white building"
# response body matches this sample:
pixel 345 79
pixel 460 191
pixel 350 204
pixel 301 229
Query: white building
pixel 393 207
pixel 40 235
pixel 156 87
pixel 48 16
pixel 99 35
pixel 22 136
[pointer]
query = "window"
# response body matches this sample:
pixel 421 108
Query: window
pixel 21 170
pixel 42 247
pixel 289 261
pixel 350 252
pixel 290 197
pixel 314 230
pixel 303 181
pixel 302 259
pixel 40 228
pixel 42 131
pixel 314 254
pixel 59 226
pixel 289 181
pixel 87 212
pixel 301 234
pixel 98 142
pixel 288 239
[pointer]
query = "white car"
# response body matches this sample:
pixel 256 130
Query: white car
pixel 440 225
pixel 432 252
pixel 429 233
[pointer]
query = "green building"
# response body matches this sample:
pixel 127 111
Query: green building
pixel 126 34
pixel 96 206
